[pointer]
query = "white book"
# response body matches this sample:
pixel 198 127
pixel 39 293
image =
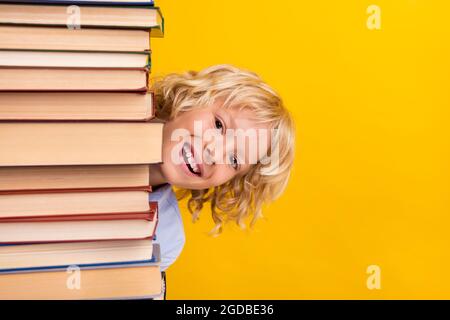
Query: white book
pixel 16 58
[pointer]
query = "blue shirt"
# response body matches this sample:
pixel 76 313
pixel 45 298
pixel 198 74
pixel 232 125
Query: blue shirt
pixel 169 230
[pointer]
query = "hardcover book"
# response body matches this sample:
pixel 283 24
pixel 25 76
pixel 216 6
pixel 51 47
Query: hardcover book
pixel 56 178
pixel 69 59
pixel 80 228
pixel 107 283
pixel 140 17
pixel 92 106
pixel 80 79
pixel 84 2
pixel 84 39
pixel 43 205
pixel 79 143
pixel 85 255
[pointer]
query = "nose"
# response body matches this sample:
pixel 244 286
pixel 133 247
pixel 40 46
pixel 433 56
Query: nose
pixel 215 153
pixel 210 157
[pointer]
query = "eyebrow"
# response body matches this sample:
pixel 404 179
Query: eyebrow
pixel 229 118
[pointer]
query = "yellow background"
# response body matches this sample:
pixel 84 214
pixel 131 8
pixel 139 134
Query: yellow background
pixel 371 181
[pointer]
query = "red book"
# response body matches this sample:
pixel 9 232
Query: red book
pixel 84 215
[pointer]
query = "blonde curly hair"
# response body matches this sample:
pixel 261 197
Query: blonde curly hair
pixel 244 195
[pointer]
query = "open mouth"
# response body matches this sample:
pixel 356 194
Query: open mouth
pixel 188 156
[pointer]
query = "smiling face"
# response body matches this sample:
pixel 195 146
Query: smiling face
pixel 194 159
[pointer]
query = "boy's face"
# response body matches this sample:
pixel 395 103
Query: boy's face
pixel 201 148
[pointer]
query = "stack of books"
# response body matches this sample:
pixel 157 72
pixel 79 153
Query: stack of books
pixel 77 137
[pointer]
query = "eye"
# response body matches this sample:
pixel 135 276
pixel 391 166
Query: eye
pixel 218 123
pixel 234 162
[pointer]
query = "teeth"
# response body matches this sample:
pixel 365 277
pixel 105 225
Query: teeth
pixel 189 157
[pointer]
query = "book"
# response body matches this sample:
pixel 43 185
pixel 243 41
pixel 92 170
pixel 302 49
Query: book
pixel 79 143
pixel 62 79
pixel 90 254
pixel 81 228
pixel 98 106
pixel 64 205
pixel 75 2
pixel 55 178
pixel 44 38
pixel 15 58
pixel 107 283
pixel 140 17
pixel 86 255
